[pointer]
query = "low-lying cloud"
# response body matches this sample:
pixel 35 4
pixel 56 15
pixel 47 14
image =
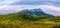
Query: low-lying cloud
pixel 51 9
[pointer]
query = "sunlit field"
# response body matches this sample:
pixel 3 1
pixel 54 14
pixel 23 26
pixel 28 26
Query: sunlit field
pixel 27 21
pixel 27 24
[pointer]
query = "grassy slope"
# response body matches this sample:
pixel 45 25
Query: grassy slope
pixel 27 21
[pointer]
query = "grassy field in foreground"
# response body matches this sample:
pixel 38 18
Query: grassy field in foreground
pixel 28 21
pixel 27 24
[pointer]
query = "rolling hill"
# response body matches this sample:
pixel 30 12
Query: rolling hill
pixel 19 20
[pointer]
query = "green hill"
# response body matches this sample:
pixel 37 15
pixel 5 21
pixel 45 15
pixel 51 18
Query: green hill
pixel 18 20
pixel 18 16
pixel 26 17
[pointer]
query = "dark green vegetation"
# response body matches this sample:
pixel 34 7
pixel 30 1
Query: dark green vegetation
pixel 18 16
pixel 18 20
pixel 36 12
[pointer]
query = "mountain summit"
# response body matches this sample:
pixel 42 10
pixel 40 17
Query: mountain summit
pixel 35 12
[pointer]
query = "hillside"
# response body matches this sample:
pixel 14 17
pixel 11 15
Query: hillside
pixel 26 17
pixel 18 16
pixel 18 20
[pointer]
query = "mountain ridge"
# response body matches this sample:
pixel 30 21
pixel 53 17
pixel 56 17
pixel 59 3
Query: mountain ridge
pixel 38 12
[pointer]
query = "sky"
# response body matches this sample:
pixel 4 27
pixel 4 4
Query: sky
pixel 48 6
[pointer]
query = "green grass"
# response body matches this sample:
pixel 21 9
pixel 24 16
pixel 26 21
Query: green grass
pixel 17 20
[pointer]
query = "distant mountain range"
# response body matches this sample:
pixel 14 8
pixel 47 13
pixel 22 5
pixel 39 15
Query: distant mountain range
pixel 35 12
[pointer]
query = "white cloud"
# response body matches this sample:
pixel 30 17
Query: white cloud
pixel 51 9
pixel 7 2
pixel 46 8
pixel 17 8
pixel 12 9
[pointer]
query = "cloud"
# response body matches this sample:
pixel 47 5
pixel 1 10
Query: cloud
pixel 51 9
pixel 17 7
pixel 54 10
pixel 33 2
pixel 29 2
pixel 7 2
pixel 14 9
pixel 37 2
pixel 10 9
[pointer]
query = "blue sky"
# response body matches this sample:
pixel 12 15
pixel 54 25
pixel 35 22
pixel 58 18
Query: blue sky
pixel 49 6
